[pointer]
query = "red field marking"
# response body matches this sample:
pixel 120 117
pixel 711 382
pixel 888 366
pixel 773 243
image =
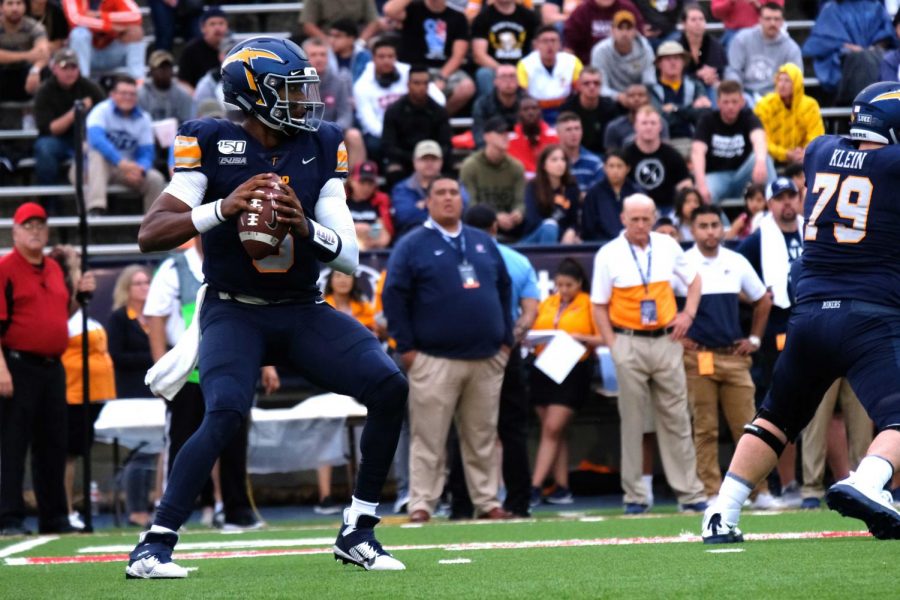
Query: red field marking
pixel 681 539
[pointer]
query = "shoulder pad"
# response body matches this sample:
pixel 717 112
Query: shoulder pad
pixel 332 137
pixel 192 139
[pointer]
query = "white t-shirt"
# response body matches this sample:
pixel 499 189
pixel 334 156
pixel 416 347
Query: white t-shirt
pixel 164 298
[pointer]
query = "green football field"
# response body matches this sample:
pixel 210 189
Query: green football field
pixel 815 554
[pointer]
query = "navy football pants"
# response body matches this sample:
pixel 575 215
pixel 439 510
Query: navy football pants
pixel 330 349
pixel 828 340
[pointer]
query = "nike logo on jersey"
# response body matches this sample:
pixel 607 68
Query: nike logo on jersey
pixel 306 161
pixel 438 252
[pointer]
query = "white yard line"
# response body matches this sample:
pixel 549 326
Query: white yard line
pixel 26 545
pixel 465 547
pixel 214 545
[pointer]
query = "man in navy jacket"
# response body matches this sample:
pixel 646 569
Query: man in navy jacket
pixel 447 303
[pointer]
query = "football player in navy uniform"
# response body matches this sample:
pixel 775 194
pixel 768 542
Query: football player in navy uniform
pixel 845 322
pixel 269 311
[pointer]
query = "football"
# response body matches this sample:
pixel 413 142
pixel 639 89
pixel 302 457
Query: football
pixel 261 233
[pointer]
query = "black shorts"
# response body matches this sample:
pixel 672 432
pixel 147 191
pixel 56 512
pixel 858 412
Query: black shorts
pixel 76 445
pixel 832 339
pixel 572 392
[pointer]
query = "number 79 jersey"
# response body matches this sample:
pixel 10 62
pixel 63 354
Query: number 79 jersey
pixel 852 215
pixel 228 156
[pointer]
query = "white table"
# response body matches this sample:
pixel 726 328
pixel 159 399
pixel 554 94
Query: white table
pixel 282 440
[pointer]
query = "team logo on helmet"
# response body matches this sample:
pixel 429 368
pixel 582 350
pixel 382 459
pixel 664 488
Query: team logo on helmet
pixel 248 56
pixel 895 95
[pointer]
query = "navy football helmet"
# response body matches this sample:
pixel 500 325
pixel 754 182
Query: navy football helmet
pixel 876 113
pixel 271 79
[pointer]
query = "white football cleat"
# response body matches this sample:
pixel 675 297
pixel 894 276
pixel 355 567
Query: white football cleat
pixel 766 501
pixel 717 531
pixel 356 545
pixel 872 506
pixel 152 558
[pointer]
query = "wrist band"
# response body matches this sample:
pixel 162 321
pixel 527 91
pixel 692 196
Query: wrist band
pixel 206 216
pixel 326 243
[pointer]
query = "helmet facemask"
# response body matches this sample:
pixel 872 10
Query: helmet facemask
pixel 297 104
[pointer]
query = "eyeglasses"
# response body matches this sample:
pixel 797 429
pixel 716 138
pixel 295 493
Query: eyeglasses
pixel 34 225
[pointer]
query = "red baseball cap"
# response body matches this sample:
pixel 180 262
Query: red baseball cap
pixel 365 170
pixel 29 210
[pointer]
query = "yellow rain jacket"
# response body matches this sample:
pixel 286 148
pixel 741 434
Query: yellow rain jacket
pixel 789 128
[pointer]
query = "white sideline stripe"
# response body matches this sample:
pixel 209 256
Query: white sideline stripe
pixel 466 547
pixel 236 545
pixel 27 545
pixel 725 550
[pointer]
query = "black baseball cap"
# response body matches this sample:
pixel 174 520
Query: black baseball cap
pixel 480 216
pixel 212 11
pixel 782 185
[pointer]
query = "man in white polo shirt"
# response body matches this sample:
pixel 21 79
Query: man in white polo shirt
pixel 548 74
pixel 635 310
pixel 717 355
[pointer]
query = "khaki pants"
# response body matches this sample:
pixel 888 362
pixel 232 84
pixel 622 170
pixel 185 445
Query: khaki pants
pixel 731 387
pixel 101 173
pixel 652 368
pixel 859 435
pixel 467 391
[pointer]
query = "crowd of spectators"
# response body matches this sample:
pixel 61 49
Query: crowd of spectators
pixel 394 75
pixel 575 108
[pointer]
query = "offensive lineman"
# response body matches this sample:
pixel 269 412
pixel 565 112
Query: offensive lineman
pixel 269 311
pixel 845 323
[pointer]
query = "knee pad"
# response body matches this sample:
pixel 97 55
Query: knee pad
pixel 766 436
pixel 388 396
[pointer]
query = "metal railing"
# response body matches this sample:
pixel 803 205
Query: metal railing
pixel 38 191
pixel 250 9
pixel 105 221
pixel 100 250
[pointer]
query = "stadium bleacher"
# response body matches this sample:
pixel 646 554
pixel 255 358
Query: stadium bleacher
pixel 117 233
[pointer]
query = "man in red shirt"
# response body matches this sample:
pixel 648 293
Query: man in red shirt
pixel 530 135
pixel 34 333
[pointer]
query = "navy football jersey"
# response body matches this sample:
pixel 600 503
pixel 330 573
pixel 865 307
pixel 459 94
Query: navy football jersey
pixel 228 156
pixel 852 212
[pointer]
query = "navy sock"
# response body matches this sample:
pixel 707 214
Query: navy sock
pixel 193 465
pixel 380 434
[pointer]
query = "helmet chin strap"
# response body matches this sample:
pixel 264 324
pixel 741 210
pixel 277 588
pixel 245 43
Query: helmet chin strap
pixel 277 126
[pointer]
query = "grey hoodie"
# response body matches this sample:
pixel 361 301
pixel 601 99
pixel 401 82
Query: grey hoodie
pixel 617 71
pixel 754 60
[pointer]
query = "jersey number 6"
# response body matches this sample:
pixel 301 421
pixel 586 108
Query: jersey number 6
pixel 853 197
pixel 280 262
